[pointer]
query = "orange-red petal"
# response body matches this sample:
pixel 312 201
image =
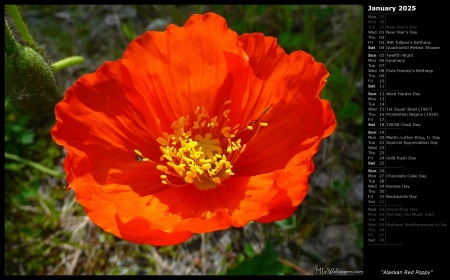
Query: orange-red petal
pixel 100 130
pixel 171 73
pixel 267 63
pixel 291 86
pixel 292 188
pixel 235 203
pixel 139 230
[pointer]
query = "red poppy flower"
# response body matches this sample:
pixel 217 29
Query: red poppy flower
pixel 195 129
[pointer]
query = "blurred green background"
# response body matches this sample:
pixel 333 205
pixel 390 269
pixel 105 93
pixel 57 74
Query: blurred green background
pixel 47 231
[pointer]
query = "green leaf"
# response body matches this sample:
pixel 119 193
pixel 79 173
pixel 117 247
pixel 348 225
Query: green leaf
pixel 265 263
pixel 348 110
pixel 35 165
pixel 26 137
pixel 248 249
pixel 286 224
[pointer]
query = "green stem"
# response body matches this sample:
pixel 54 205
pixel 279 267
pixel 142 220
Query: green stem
pixel 11 45
pixel 21 27
pixel 66 62
pixel 33 164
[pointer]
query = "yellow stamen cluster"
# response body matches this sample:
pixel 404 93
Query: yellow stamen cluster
pixel 201 153
pixel 194 152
